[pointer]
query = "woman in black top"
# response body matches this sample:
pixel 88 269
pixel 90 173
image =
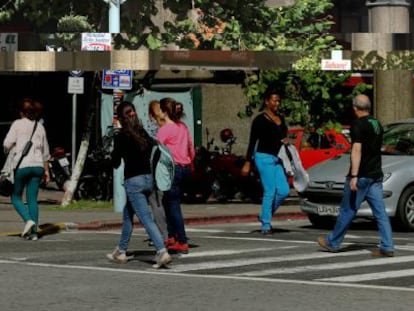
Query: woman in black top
pixel 133 145
pixel 268 133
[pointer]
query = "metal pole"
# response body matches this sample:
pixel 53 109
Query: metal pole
pixel 73 130
pixel 114 16
pixel 119 197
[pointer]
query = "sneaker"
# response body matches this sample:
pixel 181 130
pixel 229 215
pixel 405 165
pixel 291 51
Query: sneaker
pixel 162 258
pixel 32 237
pixel 381 253
pixel 169 242
pixel 118 256
pixel 179 248
pixel 324 244
pixel 28 227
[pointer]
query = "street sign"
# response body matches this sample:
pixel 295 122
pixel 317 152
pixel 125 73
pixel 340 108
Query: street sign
pixel 76 73
pixel 336 62
pixel 75 85
pixel 117 79
pixel 96 41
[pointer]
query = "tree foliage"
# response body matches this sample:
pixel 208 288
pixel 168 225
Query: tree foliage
pixel 310 95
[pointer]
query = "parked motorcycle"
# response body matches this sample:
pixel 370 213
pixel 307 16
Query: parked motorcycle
pixel 217 174
pixel 59 167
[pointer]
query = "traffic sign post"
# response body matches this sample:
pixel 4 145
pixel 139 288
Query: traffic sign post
pixel 75 86
pixel 117 80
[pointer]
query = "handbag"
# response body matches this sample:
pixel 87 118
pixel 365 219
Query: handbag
pixel 7 172
pixel 293 167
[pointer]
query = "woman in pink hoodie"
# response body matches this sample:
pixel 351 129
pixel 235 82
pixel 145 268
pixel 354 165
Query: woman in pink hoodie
pixel 176 136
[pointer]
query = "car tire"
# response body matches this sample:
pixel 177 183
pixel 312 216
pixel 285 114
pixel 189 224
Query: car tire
pixel 322 222
pixel 404 216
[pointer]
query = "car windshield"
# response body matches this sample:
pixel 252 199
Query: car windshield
pixel 398 139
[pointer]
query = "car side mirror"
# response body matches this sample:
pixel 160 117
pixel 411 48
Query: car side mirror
pixel 340 147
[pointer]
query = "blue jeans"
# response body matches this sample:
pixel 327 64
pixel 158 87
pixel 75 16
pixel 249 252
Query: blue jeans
pixel 371 190
pixel 275 186
pixel 29 177
pixel 138 189
pixel 172 204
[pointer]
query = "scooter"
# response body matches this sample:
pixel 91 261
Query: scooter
pixel 217 174
pixel 59 167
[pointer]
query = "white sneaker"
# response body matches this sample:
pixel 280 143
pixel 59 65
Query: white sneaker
pixel 118 256
pixel 32 237
pixel 28 227
pixel 162 258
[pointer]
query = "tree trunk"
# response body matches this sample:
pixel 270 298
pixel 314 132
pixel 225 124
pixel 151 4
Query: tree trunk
pixel 83 152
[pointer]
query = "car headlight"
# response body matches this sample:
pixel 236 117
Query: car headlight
pixel 386 177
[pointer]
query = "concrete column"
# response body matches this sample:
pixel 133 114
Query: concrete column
pixel 393 91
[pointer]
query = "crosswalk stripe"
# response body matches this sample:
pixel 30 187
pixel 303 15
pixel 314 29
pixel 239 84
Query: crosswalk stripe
pixel 370 276
pixel 254 261
pixel 228 252
pixel 333 266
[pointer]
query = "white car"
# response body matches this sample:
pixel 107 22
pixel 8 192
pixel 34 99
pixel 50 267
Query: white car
pixel 322 198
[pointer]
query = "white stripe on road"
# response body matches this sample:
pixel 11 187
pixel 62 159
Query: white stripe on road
pixel 227 252
pixel 260 239
pixel 233 252
pixel 370 276
pixel 218 277
pixel 333 266
pixel 254 261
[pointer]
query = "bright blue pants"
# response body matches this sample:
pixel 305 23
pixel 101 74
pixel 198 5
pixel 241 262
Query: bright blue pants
pixel 275 186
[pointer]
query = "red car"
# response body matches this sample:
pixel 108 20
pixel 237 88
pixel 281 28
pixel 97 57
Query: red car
pixel 314 147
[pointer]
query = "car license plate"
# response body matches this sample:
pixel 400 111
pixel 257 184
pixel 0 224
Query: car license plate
pixel 63 162
pixel 328 210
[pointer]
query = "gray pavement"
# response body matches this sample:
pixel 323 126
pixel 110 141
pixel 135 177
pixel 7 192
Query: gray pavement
pixel 104 218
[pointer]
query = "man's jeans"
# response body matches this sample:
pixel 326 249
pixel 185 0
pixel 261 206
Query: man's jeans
pixel 138 189
pixel 371 190
pixel 275 185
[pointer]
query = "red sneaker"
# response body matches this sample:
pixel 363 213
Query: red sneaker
pixel 179 248
pixel 169 242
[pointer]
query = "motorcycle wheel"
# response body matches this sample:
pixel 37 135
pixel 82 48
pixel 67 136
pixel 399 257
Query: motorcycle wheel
pixel 89 189
pixel 60 181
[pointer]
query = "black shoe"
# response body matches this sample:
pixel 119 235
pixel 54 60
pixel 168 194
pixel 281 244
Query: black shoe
pixel 267 231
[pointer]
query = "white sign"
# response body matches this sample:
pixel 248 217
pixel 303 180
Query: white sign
pixel 75 85
pixel 332 64
pixel 98 41
pixel 8 41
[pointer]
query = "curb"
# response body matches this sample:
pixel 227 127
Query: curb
pixel 103 225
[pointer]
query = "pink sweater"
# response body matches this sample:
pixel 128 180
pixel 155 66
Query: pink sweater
pixel 177 138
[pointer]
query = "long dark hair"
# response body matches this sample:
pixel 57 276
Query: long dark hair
pixel 173 109
pixel 132 126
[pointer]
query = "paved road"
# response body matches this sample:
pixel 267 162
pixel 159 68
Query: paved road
pixel 230 267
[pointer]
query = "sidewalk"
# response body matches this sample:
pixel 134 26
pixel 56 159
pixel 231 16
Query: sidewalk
pixel 103 219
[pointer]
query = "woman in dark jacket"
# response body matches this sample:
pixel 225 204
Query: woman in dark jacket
pixel 133 145
pixel 268 133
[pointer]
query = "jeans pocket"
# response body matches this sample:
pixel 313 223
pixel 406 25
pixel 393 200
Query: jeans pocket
pixel 364 182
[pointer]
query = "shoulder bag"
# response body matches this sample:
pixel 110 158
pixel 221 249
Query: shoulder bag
pixel 7 172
